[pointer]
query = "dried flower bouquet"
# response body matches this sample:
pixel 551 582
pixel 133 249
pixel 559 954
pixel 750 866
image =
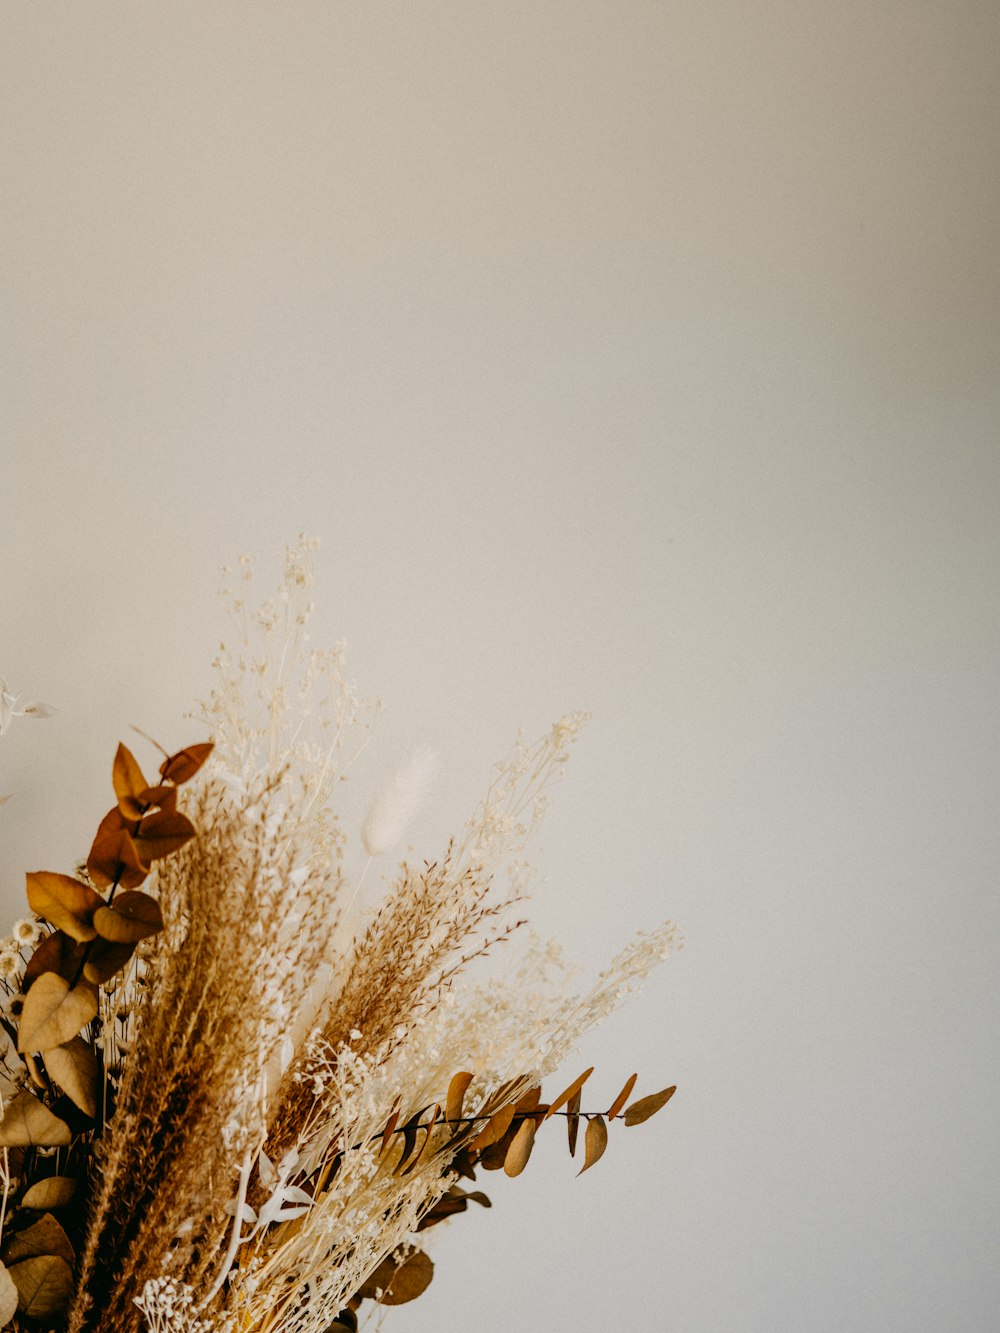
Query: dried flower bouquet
pixel 224 1109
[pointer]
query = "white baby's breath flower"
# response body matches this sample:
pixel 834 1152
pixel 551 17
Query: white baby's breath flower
pixel 395 805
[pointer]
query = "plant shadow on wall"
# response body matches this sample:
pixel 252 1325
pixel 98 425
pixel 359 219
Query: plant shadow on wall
pixel 223 1110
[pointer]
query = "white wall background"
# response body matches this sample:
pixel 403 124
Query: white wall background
pixel 634 356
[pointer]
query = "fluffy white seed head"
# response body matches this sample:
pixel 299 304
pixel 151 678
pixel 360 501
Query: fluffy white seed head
pixel 395 806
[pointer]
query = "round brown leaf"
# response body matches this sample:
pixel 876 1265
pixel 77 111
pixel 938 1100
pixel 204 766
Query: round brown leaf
pixel 594 1143
pixel 128 782
pixel 28 1123
pixel 76 1069
pixel 8 1297
pixel 67 903
pixel 53 1013
pixel 45 1236
pixel 162 833
pixel 44 1286
pixel 105 960
pixel 457 1089
pixel 132 918
pixel 398 1280
pixel 52 1192
pixel 56 953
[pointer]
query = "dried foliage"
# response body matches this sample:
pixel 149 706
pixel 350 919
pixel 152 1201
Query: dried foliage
pixel 222 1116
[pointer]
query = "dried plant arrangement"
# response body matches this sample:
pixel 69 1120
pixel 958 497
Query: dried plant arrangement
pixel 226 1109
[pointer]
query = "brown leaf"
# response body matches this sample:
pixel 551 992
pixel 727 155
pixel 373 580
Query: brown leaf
pixel 647 1106
pixel 50 1192
pixel 128 782
pixel 113 858
pixel 45 1236
pixel 8 1297
pixel 53 1013
pixel 183 765
pixel 594 1143
pixel 494 1129
pixel 570 1092
pixel 44 1286
pixel 67 903
pixel 161 834
pixel 132 917
pixel 530 1101
pixel 398 1280
pixel 76 1069
pixel 56 953
pixel 457 1088
pixel 573 1122
pixel 520 1148
pixel 28 1123
pixel 390 1126
pixel 105 960
pixel 163 798
pixel 622 1097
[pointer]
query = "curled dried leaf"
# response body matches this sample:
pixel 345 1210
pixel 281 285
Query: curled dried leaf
pixel 455 1100
pixel 594 1143
pixel 182 766
pixel 573 1122
pixel 647 1106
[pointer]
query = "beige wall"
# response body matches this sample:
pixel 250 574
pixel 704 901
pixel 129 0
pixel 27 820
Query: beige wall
pixel 633 356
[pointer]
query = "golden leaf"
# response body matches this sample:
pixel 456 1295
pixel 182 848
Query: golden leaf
pixel 52 1192
pixel 113 858
pixel 183 765
pixel 56 953
pixel 494 1129
pixel 162 833
pixel 457 1088
pixel 53 1013
pixel 647 1106
pixel 570 1092
pixel 44 1286
pixel 573 1122
pixel 530 1101
pixel 133 916
pixel 8 1297
pixel 105 960
pixel 67 903
pixel 28 1123
pixel 390 1126
pixel 622 1097
pixel 43 1237
pixel 76 1069
pixel 398 1280
pixel 520 1149
pixel 128 782
pixel 594 1143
